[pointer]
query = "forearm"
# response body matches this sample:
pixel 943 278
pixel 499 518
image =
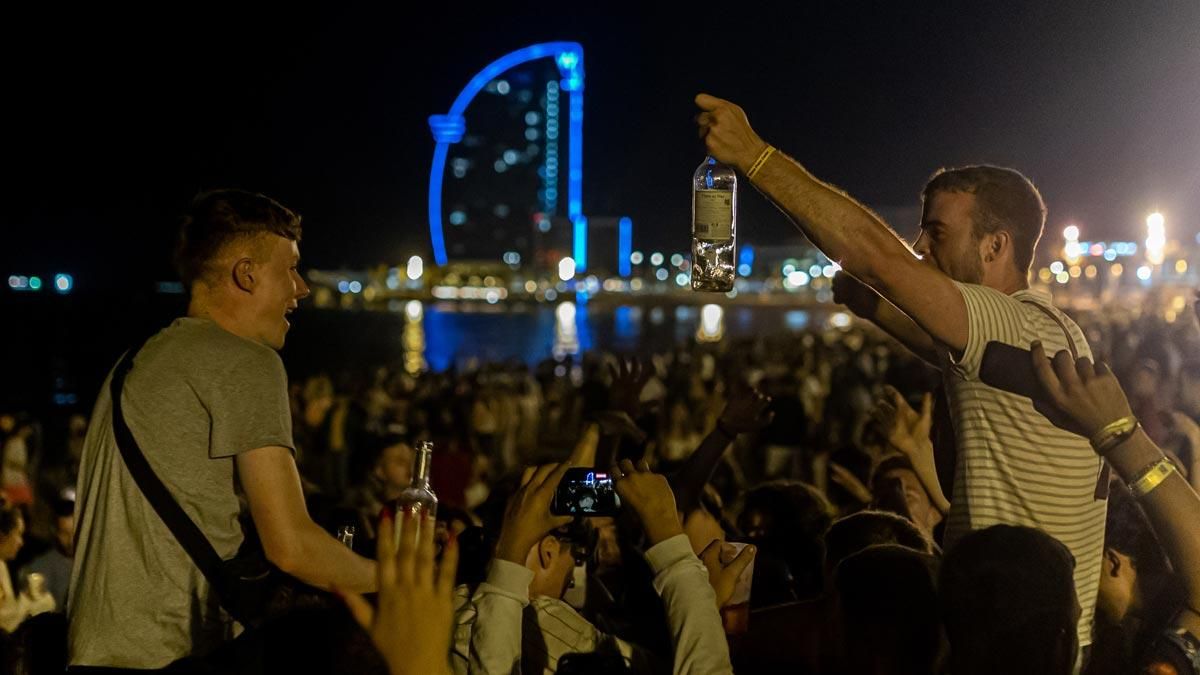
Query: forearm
pixel 322 561
pixel 1173 509
pixel 690 480
pixel 904 330
pixel 843 229
pixel 696 631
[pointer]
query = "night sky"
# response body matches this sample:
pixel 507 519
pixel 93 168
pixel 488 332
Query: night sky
pixel 113 122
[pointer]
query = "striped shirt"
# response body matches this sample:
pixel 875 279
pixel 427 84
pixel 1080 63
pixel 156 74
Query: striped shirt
pixel 1014 467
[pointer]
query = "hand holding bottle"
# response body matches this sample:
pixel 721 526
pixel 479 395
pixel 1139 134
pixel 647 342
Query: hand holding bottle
pixel 727 133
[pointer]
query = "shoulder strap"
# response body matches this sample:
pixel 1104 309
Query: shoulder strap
pixel 198 548
pixel 1102 482
pixel 1063 326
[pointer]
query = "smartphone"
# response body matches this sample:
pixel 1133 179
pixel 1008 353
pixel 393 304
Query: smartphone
pixel 1010 369
pixel 586 492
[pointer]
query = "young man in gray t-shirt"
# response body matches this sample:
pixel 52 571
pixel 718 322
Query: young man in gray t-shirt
pixel 207 402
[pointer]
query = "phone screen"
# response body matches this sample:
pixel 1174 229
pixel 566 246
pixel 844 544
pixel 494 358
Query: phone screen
pixel 586 492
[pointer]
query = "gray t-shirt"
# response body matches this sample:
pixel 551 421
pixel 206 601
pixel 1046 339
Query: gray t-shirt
pixel 196 397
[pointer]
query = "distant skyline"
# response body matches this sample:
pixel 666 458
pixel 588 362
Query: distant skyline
pixel 111 127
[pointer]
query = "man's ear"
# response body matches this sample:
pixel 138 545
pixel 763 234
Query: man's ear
pixel 1112 563
pixel 547 550
pixel 243 274
pixel 998 241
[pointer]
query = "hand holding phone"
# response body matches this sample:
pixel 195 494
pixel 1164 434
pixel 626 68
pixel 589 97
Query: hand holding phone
pixel 586 492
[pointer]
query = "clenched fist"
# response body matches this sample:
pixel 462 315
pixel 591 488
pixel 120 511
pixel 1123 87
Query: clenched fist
pixel 727 134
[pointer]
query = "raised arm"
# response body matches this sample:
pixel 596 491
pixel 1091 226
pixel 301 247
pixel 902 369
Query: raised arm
pixel 1090 401
pixel 842 228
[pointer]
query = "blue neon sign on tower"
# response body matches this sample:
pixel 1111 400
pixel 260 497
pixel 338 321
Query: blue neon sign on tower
pixel 449 129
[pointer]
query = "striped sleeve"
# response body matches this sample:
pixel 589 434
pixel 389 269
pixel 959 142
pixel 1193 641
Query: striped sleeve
pixel 991 316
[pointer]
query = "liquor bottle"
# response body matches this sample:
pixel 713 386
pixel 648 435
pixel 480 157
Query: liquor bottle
pixel 714 226
pixel 418 499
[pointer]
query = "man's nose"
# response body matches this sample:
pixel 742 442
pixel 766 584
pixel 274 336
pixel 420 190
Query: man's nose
pixel 921 247
pixel 301 288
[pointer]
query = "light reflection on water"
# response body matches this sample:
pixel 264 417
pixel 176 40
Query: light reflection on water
pixel 439 335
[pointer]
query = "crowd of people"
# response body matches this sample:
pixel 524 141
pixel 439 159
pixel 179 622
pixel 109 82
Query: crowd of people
pixel 866 499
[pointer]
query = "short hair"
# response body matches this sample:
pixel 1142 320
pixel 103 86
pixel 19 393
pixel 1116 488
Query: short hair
pixel 221 217
pixel 1004 200
pixel 1008 602
pixel 888 600
pixel 861 530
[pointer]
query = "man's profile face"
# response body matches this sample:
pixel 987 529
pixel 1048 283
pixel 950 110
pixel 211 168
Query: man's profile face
pixel 947 240
pixel 278 289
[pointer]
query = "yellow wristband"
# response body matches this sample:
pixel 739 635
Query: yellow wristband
pixel 1125 424
pixel 1151 477
pixel 758 163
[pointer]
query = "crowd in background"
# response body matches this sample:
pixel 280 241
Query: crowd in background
pixel 819 468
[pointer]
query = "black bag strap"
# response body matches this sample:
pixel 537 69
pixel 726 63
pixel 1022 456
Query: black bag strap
pixel 1063 326
pixel 186 532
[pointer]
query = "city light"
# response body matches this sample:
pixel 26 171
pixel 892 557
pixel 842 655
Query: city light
pixel 1156 238
pixel 1062 277
pixel 580 243
pixel 566 269
pixel 414 310
pixel 512 258
pixel 1116 269
pixel 656 258
pixel 796 279
pixel 1057 267
pixel 636 257
pixel 681 279
pixel 63 283
pixel 1072 251
pixel 1090 272
pixel 840 320
pixel 1071 233
pixel 743 270
pixel 1181 267
pixel 624 245
pixel 1144 272
pixel 416 267
pixel 662 275
pixel 677 260
pixel 355 287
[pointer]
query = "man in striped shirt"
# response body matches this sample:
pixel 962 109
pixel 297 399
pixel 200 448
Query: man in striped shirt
pixel 967 285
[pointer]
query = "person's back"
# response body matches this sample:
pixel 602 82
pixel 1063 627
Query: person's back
pixel 196 397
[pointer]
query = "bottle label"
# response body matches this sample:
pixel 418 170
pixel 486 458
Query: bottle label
pixel 713 217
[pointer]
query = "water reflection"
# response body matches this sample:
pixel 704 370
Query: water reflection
pixel 712 324
pixel 566 334
pixel 413 337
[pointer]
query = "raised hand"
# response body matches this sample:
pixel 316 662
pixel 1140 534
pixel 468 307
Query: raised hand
pixel 629 378
pixel 410 585
pixel 527 518
pixel 745 414
pixel 724 567
pixel 907 431
pixel 1084 397
pixel 650 497
pixel 727 134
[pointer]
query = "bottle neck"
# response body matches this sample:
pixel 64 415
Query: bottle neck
pixel 421 463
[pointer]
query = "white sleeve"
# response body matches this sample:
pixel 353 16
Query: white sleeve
pixel 991 317
pixel 696 630
pixel 488 627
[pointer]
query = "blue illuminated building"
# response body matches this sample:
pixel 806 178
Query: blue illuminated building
pixel 543 138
